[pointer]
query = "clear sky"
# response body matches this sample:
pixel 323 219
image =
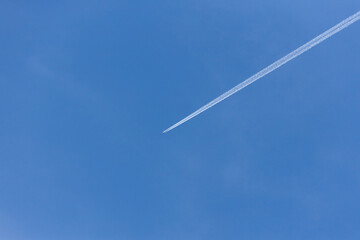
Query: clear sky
pixel 87 87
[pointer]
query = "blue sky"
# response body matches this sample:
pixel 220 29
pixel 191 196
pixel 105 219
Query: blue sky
pixel 87 87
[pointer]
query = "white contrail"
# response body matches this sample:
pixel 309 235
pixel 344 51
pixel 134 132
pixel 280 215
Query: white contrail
pixel 307 46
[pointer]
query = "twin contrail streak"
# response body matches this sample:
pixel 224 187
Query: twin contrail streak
pixel 307 46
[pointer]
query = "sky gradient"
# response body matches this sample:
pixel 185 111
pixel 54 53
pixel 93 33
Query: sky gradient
pixel 87 87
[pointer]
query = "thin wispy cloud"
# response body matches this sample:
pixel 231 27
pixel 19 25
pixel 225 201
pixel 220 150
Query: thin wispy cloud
pixel 307 46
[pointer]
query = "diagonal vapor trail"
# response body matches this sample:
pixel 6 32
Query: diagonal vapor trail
pixel 307 46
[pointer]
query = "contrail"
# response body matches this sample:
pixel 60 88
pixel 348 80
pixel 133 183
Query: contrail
pixel 307 46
